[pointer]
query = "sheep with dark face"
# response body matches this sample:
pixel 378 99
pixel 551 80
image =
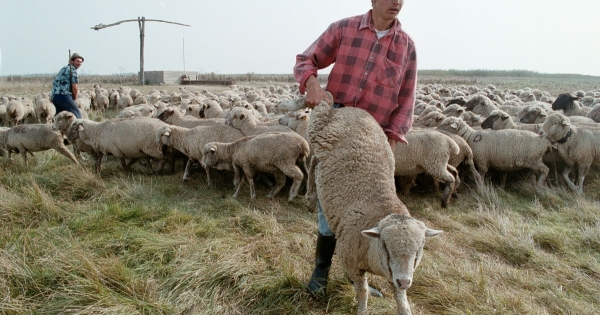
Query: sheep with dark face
pixel 570 106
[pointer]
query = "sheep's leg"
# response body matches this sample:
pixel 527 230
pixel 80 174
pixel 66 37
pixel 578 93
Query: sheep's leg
pixel 64 151
pixel 566 172
pixel 99 157
pixel 24 155
pixel 237 171
pixel 401 301
pixel 279 183
pixel 362 290
pixel 297 175
pixel 149 165
pixel 311 191
pixel 503 179
pixel 543 171
pixel 582 171
pixel 186 172
pixel 249 173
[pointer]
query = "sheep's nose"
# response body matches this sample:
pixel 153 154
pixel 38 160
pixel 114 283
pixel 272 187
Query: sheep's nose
pixel 404 283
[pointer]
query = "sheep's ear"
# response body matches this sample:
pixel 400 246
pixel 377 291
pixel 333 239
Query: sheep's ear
pixel 430 232
pixel 372 233
pixel 454 125
pixel 504 117
pixel 213 150
pixel 80 127
pixel 242 116
pixel 166 133
pixel 564 122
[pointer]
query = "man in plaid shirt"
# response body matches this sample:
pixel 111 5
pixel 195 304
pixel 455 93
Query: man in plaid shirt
pixel 375 68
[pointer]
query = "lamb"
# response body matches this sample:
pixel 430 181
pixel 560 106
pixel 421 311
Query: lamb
pixel 33 138
pixel 505 150
pixel 428 152
pixel 576 146
pixel 276 153
pixel 374 230
pixel 190 141
pixel 498 120
pixel 123 138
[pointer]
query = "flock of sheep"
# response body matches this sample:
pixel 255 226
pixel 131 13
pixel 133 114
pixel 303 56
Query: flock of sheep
pixel 254 131
pixel 457 130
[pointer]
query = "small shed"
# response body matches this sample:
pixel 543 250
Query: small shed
pixel 166 77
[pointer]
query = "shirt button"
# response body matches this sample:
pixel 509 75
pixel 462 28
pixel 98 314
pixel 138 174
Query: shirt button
pixel 366 73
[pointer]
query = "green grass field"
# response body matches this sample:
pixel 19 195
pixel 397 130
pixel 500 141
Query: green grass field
pixel 73 242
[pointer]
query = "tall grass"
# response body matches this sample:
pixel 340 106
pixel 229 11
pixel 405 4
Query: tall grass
pixel 74 242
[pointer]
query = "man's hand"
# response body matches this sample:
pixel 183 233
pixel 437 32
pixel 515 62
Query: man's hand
pixel 392 143
pixel 314 93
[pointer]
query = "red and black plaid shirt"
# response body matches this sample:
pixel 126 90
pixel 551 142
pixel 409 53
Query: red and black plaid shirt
pixel 377 75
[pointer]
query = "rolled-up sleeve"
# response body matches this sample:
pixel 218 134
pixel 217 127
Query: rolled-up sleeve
pixel 318 55
pixel 402 118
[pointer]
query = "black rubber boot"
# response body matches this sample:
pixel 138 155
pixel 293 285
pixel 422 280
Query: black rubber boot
pixel 323 255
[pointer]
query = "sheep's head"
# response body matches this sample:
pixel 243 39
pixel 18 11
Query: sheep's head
pixel 556 128
pixel 451 124
pixel 402 238
pixel 209 155
pixel 494 116
pixel 163 135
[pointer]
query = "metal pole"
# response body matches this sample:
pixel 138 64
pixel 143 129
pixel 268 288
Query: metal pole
pixel 142 24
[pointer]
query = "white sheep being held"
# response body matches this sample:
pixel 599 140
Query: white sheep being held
pixel 282 154
pixel 374 230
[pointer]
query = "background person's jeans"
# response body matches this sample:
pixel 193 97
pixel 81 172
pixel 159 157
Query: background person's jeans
pixel 66 103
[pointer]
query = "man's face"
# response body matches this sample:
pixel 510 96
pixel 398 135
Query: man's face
pixel 387 9
pixel 77 62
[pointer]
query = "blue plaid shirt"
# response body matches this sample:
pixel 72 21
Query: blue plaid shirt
pixel 63 80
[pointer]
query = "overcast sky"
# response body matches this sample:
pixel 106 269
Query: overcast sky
pixel 264 36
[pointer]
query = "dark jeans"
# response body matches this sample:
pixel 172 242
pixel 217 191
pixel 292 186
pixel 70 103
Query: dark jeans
pixel 66 103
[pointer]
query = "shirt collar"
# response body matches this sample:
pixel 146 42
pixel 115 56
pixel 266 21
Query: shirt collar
pixel 367 22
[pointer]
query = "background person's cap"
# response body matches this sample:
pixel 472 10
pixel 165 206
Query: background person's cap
pixel 76 55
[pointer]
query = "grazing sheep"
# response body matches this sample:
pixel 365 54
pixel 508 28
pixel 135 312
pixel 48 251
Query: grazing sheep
pixel 190 141
pixel 62 124
pixel 34 138
pixel 123 138
pixel 374 230
pixel 278 153
pixel 505 150
pixel 576 146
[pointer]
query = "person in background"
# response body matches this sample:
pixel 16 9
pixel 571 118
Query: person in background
pixel 65 87
pixel 375 68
